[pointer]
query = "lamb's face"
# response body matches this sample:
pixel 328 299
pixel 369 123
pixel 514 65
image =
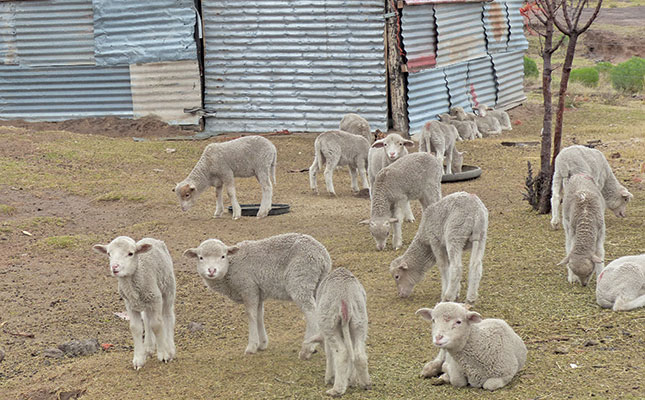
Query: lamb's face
pixel 394 146
pixel 619 204
pixel 187 194
pixel 123 252
pixel 380 230
pixel 451 325
pixel 212 258
pixel 401 276
pixel 582 267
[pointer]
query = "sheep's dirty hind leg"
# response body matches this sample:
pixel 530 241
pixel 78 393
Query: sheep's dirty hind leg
pixel 237 210
pixel 397 234
pixel 363 173
pixel 149 341
pixel 354 179
pixel 158 328
pixel 262 333
pixel 475 270
pixel 341 366
pixel 169 325
pixel 313 171
pixel 219 207
pixel 407 211
pixel 252 305
pixel 267 194
pixel 555 200
pixel 136 327
pixel 329 175
pixel 360 359
pixel 329 370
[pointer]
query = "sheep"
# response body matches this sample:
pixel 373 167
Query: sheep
pixel 415 176
pixel 457 160
pixel 583 221
pixel 621 285
pixel 499 115
pixel 583 160
pixel 467 129
pixel 146 283
pixel 354 123
pixel 220 163
pixel 457 222
pixel 472 351
pixel 341 311
pixel 439 139
pixel 283 267
pixel 338 148
pixel 486 125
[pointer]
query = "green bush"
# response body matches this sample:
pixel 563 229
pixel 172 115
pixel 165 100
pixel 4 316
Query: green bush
pixel 588 76
pixel 604 67
pixel 629 76
pixel 530 68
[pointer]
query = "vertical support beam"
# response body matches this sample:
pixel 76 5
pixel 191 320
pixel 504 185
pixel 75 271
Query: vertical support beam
pixel 396 79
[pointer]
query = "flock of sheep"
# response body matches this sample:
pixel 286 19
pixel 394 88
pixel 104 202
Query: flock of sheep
pixel 296 267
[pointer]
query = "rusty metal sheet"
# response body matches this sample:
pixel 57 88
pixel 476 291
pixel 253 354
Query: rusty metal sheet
pixel 509 73
pixel 419 33
pixel 421 2
pixel 460 32
pixel 496 26
pixel 456 78
pixel 516 40
pixel 427 97
pixel 482 86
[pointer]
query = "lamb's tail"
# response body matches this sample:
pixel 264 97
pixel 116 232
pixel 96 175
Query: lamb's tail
pixel 347 337
pixel 318 154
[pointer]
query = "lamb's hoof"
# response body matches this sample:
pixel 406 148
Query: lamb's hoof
pixel 138 362
pixel 262 215
pixel 334 393
pixel 151 350
pixel 236 217
pixel 251 349
pixel 409 219
pixel 164 356
pixel 329 380
pixel 220 215
pixel 367 386
pixel 470 302
pixel 263 346
pixel 431 369
pixel 554 225
pixel 619 304
pixel 305 354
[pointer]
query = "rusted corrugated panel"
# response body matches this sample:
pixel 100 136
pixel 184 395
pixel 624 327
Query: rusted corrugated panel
pixel 165 89
pixel 418 29
pixel 456 77
pixel 517 40
pixel 460 32
pixel 56 93
pixel 293 64
pixel 8 34
pixel 509 73
pixel 496 26
pixel 419 2
pixel 427 97
pixel 482 87
pixel 128 32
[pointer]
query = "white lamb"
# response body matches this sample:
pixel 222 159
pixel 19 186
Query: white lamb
pixel 415 176
pixel 467 129
pixel 220 163
pixel 621 285
pixel 583 220
pixel 486 125
pixel 147 285
pixel 341 310
pixel 338 148
pixel 354 123
pixel 473 351
pixel 439 139
pixel 500 115
pixel 283 267
pixel 583 160
pixel 456 223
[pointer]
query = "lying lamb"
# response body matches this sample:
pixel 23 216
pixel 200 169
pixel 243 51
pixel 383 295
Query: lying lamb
pixel 439 139
pixel 499 115
pixel 583 160
pixel 583 220
pixel 338 148
pixel 220 163
pixel 467 129
pixel 341 310
pixel 354 123
pixel 283 267
pixel 456 223
pixel 473 351
pixel 415 176
pixel 621 285
pixel 486 125
pixel 147 285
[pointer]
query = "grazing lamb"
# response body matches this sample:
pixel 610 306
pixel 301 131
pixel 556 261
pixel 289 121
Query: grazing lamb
pixel 354 123
pixel 583 220
pixel 283 267
pixel 220 163
pixel 583 160
pixel 439 139
pixel 338 148
pixel 456 223
pixel 472 351
pixel 621 285
pixel 341 311
pixel 467 129
pixel 499 115
pixel 147 285
pixel 415 176
pixel 486 124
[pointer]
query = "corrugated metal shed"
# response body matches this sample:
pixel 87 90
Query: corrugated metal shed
pixel 482 85
pixel 516 40
pixel 427 97
pixel 293 64
pixel 509 73
pixel 496 26
pixel 456 77
pixel 419 33
pixel 460 32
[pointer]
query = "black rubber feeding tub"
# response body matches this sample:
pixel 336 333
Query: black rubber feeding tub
pixel 467 172
pixel 251 210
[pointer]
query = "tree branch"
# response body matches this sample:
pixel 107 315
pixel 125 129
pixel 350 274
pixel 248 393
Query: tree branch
pixel 593 17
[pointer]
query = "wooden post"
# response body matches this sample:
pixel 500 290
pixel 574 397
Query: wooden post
pixel 396 79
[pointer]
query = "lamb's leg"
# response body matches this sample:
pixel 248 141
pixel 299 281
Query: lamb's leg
pixel 456 375
pixel 556 191
pixel 407 210
pixel 600 251
pixel 136 328
pixel 496 383
pixel 329 371
pixel 310 331
pixel 313 171
pixel 149 342
pixel 169 325
pixel 251 303
pixel 397 235
pixel 433 368
pixel 352 174
pixel 455 267
pixel 363 173
pixel 155 315
pixel 230 189
pixel 341 365
pixel 449 161
pixel 475 269
pixel 264 179
pixel 360 363
pixel 332 162
pixel 262 333
pixel 444 271
pixel 623 303
pixel 219 193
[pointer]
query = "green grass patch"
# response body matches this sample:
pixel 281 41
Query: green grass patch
pixel 604 67
pixel 36 222
pixel 62 242
pixel 588 76
pixel 117 196
pixel 629 76
pixel 6 209
pixel 530 68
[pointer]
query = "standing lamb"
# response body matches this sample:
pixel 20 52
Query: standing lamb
pixel 415 176
pixel 341 311
pixel 220 163
pixel 283 267
pixel 583 220
pixel 467 129
pixel 354 123
pixel 621 285
pixel 500 115
pixel 146 283
pixel 473 351
pixel 439 139
pixel 338 148
pixel 456 223
pixel 583 160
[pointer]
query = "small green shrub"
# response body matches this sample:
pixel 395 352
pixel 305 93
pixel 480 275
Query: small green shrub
pixel 588 76
pixel 530 68
pixel 604 67
pixel 629 76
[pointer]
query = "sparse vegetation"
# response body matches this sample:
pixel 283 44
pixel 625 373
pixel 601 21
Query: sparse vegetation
pixel 629 76
pixel 530 68
pixel 588 76
pixel 61 242
pixel 6 209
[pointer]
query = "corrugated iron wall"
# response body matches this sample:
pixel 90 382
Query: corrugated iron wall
pixel 429 97
pixel 58 60
pixel 293 64
pixel 460 33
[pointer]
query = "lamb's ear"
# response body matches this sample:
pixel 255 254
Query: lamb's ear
pixel 425 313
pixel 190 253
pixel 394 220
pixel 364 222
pixel 378 143
pixel 596 259
pixel 408 143
pixel 403 266
pixel 192 188
pixel 232 250
pixel 473 317
pixel 564 261
pixel 626 195
pixel 99 248
pixel 143 248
